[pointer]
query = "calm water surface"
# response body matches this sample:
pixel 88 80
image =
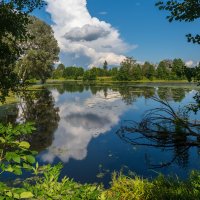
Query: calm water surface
pixel 77 125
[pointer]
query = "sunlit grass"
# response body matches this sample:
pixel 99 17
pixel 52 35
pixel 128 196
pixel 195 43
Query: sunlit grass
pixel 160 188
pixel 10 99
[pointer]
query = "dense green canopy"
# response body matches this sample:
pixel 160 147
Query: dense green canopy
pixel 13 22
pixel 41 52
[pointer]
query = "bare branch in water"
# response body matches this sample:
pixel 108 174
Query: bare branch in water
pixel 164 128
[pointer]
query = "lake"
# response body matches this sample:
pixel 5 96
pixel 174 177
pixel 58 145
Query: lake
pixel 79 125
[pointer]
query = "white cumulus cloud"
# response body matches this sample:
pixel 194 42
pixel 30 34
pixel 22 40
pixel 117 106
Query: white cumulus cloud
pixel 83 39
pixel 189 63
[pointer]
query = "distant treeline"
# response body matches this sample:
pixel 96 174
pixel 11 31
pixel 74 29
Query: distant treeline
pixel 129 70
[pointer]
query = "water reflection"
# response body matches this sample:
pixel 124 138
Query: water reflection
pixel 83 117
pixel 175 94
pixel 76 124
pixel 39 107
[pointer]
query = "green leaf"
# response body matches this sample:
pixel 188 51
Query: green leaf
pixel 26 195
pixel 16 158
pixel 9 155
pixel 17 171
pixel 2 140
pixel 16 196
pixel 30 159
pixel 24 144
pixel 9 169
pixel 9 194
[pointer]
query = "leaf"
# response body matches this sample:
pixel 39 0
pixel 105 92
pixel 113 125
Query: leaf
pixel 17 171
pixel 2 140
pixel 16 158
pixel 9 155
pixel 26 195
pixel 30 159
pixel 9 169
pixel 9 194
pixel 16 196
pixel 24 145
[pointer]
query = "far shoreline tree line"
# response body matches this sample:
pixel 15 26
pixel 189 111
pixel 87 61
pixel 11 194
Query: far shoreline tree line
pixel 129 70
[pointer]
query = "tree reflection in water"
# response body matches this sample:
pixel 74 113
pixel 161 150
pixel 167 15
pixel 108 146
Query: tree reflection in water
pixel 39 107
pixel 164 128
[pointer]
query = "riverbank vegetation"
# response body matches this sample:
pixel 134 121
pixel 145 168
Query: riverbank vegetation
pixel 123 187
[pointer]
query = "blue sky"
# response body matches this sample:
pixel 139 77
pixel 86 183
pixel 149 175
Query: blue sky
pixel 134 28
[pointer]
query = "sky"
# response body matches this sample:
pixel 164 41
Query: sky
pixel 92 31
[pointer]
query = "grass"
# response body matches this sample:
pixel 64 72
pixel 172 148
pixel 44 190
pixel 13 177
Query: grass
pixel 11 99
pixel 161 188
pixel 108 79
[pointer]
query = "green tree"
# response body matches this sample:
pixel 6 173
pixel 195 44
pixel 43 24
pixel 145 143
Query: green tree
pixel 58 72
pixel 105 65
pixel 145 66
pixel 13 21
pixel 42 52
pixel 90 75
pixel 73 72
pixel 137 72
pixel 163 70
pixel 61 67
pixel 125 72
pixel 183 10
pixel 113 71
pixel 178 67
pixel 148 70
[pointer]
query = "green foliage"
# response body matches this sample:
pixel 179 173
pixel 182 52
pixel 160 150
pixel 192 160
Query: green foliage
pixel 15 154
pixel 40 54
pixel 163 70
pixel 148 70
pixel 61 66
pixel 129 70
pixel 183 10
pixel 9 193
pixel 135 188
pixel 105 65
pixel 178 68
pixel 58 72
pixel 13 20
pixel 48 187
pixel 73 72
pixel 113 71
pixel 90 75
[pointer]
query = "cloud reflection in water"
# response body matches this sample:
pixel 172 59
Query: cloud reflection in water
pixel 81 119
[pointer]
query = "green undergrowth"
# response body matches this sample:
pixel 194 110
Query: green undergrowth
pixel 160 188
pixel 122 187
